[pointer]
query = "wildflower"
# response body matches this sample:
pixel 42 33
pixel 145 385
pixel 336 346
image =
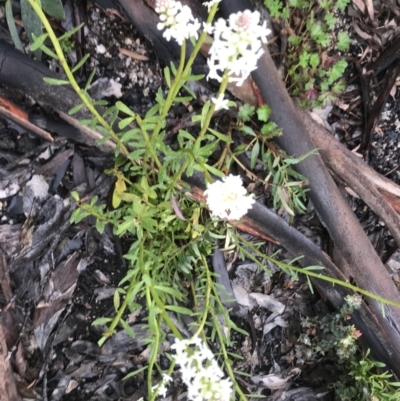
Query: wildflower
pixel 200 371
pixel 162 387
pixel 177 20
pixel 208 28
pixel 228 199
pixel 237 46
pixel 220 102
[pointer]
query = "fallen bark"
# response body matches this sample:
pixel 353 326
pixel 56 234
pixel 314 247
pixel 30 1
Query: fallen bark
pixel 379 193
pixel 20 72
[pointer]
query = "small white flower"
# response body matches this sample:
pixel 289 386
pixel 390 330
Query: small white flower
pixel 162 387
pixel 200 371
pixel 237 46
pixel 177 20
pixel 228 199
pixel 208 28
pixel 209 4
pixel 220 102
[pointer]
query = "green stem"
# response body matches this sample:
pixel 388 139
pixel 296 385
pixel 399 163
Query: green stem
pixel 153 357
pixel 228 367
pixel 165 316
pixel 60 54
pixel 120 312
pixel 183 70
pixel 148 142
pixel 319 276
pixel 206 297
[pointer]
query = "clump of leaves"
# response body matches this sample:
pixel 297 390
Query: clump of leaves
pixel 287 187
pixel 313 74
pixel 362 378
pixel 367 380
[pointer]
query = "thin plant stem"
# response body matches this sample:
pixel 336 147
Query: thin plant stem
pixel 60 54
pixel 242 396
pixel 319 276
pixel 154 352
pixel 207 295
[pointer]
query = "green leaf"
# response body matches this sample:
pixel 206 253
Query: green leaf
pixel 246 112
pixel 81 62
pixel 127 328
pixel 330 20
pixel 269 128
pixel 274 7
pixel 215 171
pixel 337 71
pixel 342 4
pixel 263 113
pixel 344 41
pixel 100 226
pixel 75 196
pixel 167 76
pixel 125 109
pixel 12 27
pixel 88 83
pixel 125 122
pixel 71 32
pixel 248 130
pixel 53 8
pixel 295 40
pixel 134 373
pixel 179 309
pixel 116 300
pixel 101 320
pixel 221 137
pixel 313 268
pixel 75 109
pixel 314 60
pixel 303 59
pixel 169 290
pixel 55 82
pixel 254 154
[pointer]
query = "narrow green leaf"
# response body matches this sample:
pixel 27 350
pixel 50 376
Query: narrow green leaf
pixel 179 309
pixel 12 27
pixel 101 320
pixel 254 154
pixel 117 300
pixel 136 372
pixel 81 62
pixel 56 82
pixel 169 290
pixel 49 52
pixel 89 81
pixel 127 328
pixel 167 75
pixel 124 108
pixel 38 41
pixel 125 122
pixel 71 32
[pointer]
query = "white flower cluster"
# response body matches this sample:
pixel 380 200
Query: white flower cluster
pixel 237 45
pixel 177 20
pixel 200 371
pixel 228 199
